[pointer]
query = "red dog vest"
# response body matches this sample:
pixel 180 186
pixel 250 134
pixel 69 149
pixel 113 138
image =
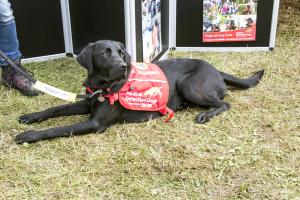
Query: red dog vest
pixel 146 89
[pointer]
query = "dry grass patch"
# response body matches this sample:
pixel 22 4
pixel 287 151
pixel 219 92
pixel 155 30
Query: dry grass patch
pixel 249 152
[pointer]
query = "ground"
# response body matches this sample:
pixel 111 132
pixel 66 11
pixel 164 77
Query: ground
pixel 249 152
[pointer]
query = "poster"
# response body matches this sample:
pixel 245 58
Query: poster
pixel 229 20
pixel 151 29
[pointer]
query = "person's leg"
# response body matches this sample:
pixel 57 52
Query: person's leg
pixel 5 11
pixel 9 44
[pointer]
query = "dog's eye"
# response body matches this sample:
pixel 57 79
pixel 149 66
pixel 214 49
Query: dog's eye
pixel 107 52
pixel 121 53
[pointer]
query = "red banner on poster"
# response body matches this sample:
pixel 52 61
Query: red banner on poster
pixel 231 36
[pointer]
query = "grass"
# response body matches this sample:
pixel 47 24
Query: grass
pixel 249 152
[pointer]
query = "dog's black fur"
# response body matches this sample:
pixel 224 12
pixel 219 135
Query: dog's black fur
pixel 191 81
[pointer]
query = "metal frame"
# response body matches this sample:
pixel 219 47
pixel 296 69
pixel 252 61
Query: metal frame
pixel 274 24
pixel 223 49
pixel 127 25
pixel 66 19
pixel 43 58
pixel 172 23
pixel 130 29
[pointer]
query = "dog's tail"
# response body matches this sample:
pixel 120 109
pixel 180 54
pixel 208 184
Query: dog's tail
pixel 243 83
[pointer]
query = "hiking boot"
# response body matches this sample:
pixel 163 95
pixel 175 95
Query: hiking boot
pixel 14 79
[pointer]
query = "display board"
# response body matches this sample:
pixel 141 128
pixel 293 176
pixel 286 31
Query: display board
pixel 196 21
pixel 94 20
pixel 152 29
pixel 148 28
pixel 39 27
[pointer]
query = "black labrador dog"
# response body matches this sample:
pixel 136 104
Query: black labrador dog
pixel 191 82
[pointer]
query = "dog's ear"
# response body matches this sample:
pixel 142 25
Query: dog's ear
pixel 85 58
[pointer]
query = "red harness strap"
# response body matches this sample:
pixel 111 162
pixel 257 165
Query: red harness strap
pixel 89 90
pixel 146 89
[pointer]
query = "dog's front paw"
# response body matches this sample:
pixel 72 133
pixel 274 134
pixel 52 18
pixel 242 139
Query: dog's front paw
pixel 28 136
pixel 202 118
pixel 29 118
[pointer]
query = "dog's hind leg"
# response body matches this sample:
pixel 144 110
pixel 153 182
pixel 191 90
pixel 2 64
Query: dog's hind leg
pixel 204 91
pixel 78 108
pixel 215 104
pixel 215 110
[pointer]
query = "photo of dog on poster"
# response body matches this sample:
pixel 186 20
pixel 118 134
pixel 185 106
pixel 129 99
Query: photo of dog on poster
pixel 151 25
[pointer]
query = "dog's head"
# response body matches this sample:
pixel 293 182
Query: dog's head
pixel 108 64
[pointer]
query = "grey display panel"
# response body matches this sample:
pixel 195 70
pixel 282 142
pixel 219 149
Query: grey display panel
pixel 96 20
pixel 39 27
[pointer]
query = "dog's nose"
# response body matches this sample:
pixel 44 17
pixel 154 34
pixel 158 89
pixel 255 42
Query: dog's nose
pixel 123 65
